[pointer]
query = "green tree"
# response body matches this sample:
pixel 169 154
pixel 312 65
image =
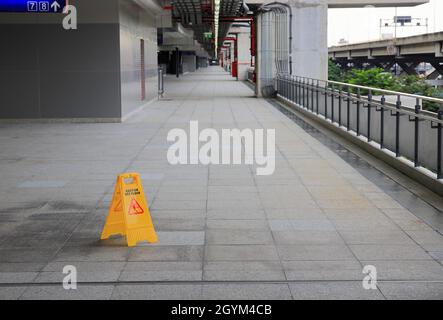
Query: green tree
pixel 375 77
pixel 378 78
pixel 415 85
pixel 335 73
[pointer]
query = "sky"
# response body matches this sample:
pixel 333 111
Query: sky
pixel 363 24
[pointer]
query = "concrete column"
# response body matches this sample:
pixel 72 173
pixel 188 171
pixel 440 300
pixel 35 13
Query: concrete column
pixel 244 53
pixel 310 38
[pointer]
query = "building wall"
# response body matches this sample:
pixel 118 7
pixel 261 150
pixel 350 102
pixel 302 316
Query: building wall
pixel 49 72
pixel 136 24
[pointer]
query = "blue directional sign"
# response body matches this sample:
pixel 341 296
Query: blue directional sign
pixel 33 6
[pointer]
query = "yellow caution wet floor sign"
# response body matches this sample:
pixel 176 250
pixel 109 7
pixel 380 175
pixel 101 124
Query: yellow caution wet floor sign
pixel 129 213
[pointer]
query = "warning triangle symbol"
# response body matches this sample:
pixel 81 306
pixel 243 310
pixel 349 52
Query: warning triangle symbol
pixel 134 207
pixel 118 206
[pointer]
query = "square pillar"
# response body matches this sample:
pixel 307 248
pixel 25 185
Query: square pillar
pixel 310 38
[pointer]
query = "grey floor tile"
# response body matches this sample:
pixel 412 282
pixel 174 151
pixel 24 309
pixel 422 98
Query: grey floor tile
pixel 376 237
pixel 26 255
pixel 389 252
pixel 223 224
pixel 314 252
pixel 57 292
pixel 246 291
pixel 162 271
pixel 17 277
pixel 158 292
pixel 43 184
pixel 162 224
pixel 95 253
pixel 307 238
pixel 323 270
pixel 336 290
pixel 237 213
pixel 413 270
pixel 412 290
pixel 243 271
pixel 240 252
pixel 177 238
pixel 11 293
pixel 22 267
pixel 167 253
pixel 82 276
pixel 236 236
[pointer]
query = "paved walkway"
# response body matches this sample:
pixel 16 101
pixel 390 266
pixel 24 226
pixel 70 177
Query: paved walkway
pixel 225 233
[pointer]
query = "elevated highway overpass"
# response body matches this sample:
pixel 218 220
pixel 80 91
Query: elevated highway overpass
pixel 406 52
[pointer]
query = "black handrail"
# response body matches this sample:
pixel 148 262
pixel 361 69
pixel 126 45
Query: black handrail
pixel 307 92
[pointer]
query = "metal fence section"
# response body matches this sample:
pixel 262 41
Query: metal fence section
pixel 392 121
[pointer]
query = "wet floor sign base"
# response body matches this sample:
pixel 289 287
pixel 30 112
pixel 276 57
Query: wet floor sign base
pixel 129 213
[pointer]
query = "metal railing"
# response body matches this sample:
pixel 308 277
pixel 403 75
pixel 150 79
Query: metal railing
pixel 161 82
pixel 376 114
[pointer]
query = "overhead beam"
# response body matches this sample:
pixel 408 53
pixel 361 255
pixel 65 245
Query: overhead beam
pixel 375 3
pixel 358 3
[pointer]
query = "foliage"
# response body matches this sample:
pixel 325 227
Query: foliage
pixel 378 78
pixel 335 73
pixel 375 77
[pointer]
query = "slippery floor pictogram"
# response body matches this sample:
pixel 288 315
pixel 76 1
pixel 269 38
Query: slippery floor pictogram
pixel 135 208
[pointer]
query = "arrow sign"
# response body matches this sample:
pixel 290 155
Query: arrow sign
pixel 55 5
pixel 33 6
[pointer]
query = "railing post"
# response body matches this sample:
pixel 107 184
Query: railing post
pixel 287 86
pixel 439 141
pixel 339 106
pixel 358 111
pixel 312 95
pixel 348 110
pixel 296 89
pixel 397 127
pixel 307 93
pixel 416 121
pixel 299 90
pixel 369 115
pixel 332 102
pixel 326 100
pixel 382 122
pixel 317 90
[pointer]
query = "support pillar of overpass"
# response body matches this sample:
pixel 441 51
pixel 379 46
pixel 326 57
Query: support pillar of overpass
pixel 243 54
pixel 408 68
pixel 310 38
pixel 437 72
pixel 308 41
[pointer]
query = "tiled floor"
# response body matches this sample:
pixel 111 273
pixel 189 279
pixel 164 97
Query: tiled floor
pixel 304 232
